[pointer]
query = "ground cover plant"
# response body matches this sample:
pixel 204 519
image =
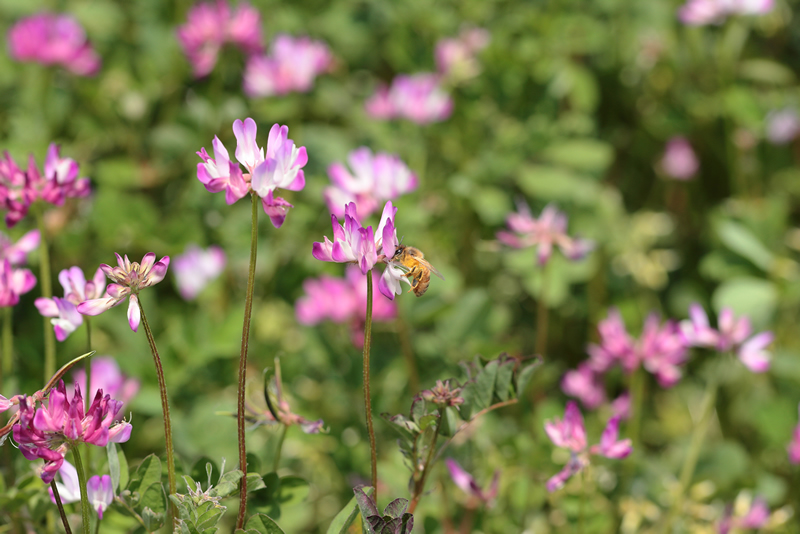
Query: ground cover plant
pixel 393 267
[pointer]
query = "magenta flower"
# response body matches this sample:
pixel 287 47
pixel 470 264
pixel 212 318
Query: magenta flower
pixel 52 39
pixel 549 230
pixel 128 279
pixel 196 268
pixel 782 126
pixel 467 483
pixel 100 493
pixel 794 445
pixel 19 189
pixel 210 25
pixel 17 253
pixel 291 65
pixel 281 167
pixel 13 283
pixel 455 57
pixel 77 290
pixel 661 350
pixel 98 489
pixel 703 12
pixel 48 432
pixel 418 98
pixel 570 434
pixel 374 180
pixel 584 383
pixel 679 160
pixel 732 335
pixel 107 377
pixel 354 244
pixel 69 489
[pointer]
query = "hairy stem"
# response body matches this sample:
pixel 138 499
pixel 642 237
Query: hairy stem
pixel 277 459
pixel 248 311
pixel 162 386
pixel 85 506
pixel 60 505
pixel 47 292
pixel 367 400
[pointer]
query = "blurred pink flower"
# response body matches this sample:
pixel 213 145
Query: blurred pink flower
pixel 703 12
pixel 77 290
pixel 210 25
pixel 732 335
pixel 48 432
pixel 455 57
pixel 757 515
pixel 106 376
pixel 291 65
pixel 196 268
pixel 19 189
pixel 100 493
pixel 417 97
pixel 679 160
pixel 128 278
pixel 782 126
pixel 570 434
pixel 13 283
pixel 69 489
pixel 467 483
pixel 281 167
pixel 52 39
pixel 584 383
pixel 549 230
pixel 17 253
pixel 621 406
pixel 794 445
pixel 661 349
pixel 374 180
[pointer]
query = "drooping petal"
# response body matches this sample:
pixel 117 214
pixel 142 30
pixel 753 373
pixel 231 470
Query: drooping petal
pixel 100 493
pixel 134 313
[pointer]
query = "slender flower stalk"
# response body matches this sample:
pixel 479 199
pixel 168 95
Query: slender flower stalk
pixel 542 318
pixel 637 405
pixel 85 506
pixel 248 310
pixel 367 399
pixel 47 292
pixel 162 386
pixel 60 506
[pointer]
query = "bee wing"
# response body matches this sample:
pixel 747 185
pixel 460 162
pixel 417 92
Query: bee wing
pixel 431 267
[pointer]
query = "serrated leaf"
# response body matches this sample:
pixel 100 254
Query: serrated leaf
pixel 154 498
pixel 228 483
pixel 505 372
pixel 263 524
pixel 396 508
pixel 113 465
pixel 347 515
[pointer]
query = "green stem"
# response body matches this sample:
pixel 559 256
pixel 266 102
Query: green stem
pixel 542 316
pixel 85 506
pixel 277 460
pixel 695 446
pixel 419 485
pixel 162 386
pixel 60 505
pixel 248 310
pixel 367 400
pixel 87 366
pixel 47 292
pixel 8 344
pixel 636 392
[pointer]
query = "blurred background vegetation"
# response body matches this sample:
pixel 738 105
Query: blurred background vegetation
pixel 574 105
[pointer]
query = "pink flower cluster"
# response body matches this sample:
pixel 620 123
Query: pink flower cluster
pixel 280 167
pixel 570 434
pixel 374 180
pixel 47 432
pixel 99 490
pixel 210 26
pixel 196 268
pixel 732 335
pixel 679 161
pixel 419 98
pixel 549 230
pixel 21 188
pixel 703 12
pixel 77 290
pixel 52 39
pixel 16 281
pixel 455 56
pixel 342 300
pixel 291 65
pixel 353 243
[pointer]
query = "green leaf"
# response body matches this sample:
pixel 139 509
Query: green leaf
pixel 152 520
pixel 484 384
pixel 293 490
pixel 557 184
pixel 255 482
pixel 148 473
pixel 505 372
pixel 227 484
pixel 366 505
pixel 525 375
pixel 347 515
pixel 205 471
pixel 154 498
pixel 766 71
pixel 396 508
pixel 749 296
pixel 253 464
pixel 113 465
pixel 263 524
pixel 581 154
pixel 741 240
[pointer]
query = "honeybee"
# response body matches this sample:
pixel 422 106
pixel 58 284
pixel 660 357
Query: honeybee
pixel 417 269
